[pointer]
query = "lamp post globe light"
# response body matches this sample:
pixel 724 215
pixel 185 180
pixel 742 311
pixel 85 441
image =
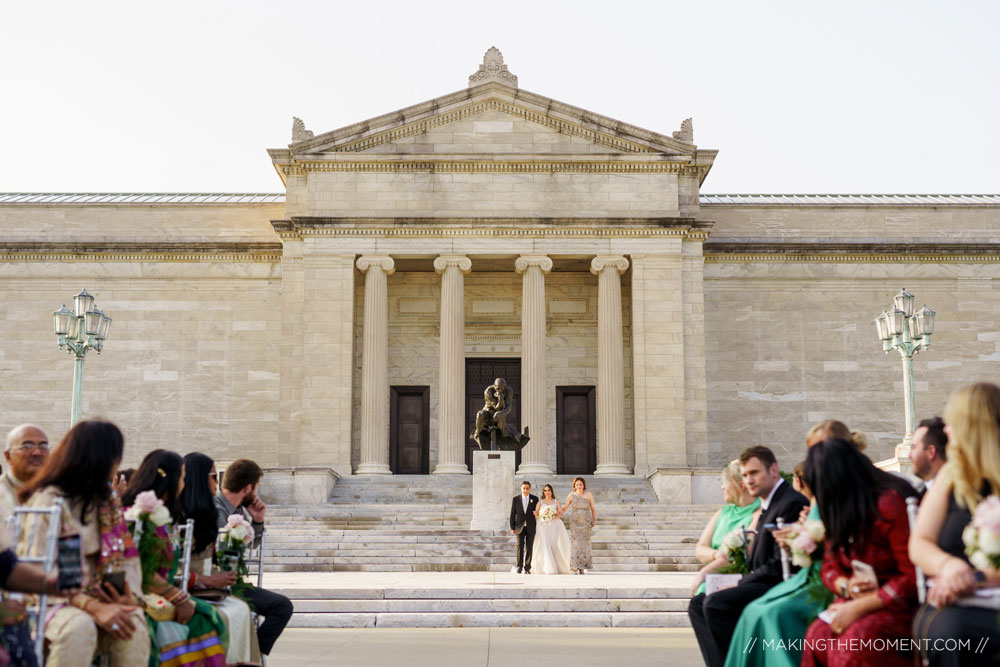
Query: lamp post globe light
pixel 80 330
pixel 908 332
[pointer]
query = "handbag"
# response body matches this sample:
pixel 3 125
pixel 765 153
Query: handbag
pixel 157 607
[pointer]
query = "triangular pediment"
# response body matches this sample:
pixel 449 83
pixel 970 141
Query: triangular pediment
pixel 492 118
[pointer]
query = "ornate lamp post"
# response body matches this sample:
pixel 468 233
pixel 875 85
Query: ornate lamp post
pixel 909 332
pixel 80 330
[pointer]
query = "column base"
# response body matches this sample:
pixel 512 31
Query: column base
pixel 534 469
pixel 612 469
pixel 373 469
pixel 451 469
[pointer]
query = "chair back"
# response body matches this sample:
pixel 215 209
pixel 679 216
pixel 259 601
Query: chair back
pixel 911 512
pixel 186 534
pixel 786 570
pixel 27 519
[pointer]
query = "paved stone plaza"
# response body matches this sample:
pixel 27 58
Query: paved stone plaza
pixel 487 647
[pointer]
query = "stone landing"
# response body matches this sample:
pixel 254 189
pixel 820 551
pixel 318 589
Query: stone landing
pixel 484 599
pixel 421 524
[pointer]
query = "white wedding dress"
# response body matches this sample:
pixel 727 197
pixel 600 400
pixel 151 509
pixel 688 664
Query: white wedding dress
pixel 550 550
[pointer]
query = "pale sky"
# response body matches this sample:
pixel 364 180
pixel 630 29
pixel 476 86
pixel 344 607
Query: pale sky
pixel 798 97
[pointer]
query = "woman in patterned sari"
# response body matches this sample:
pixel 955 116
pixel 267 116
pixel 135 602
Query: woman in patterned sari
pixel 99 619
pixel 198 635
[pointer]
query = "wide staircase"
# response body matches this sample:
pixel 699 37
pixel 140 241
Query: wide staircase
pixel 419 524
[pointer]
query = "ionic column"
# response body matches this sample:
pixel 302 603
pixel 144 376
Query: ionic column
pixel 451 376
pixel 610 366
pixel 534 378
pixel 375 367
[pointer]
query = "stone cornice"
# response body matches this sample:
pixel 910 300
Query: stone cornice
pixel 355 227
pixel 99 251
pixel 735 252
pixel 492 164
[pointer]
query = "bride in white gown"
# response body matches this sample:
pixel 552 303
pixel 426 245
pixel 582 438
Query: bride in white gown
pixel 550 550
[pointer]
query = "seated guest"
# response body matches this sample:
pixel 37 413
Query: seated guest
pixel 736 513
pixel 714 617
pixel 928 452
pixel 202 643
pixel 972 473
pixel 80 471
pixel 239 495
pixel 200 486
pixel 784 613
pixel 864 512
pixel 26 453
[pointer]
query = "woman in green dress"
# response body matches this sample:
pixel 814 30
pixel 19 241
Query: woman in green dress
pixel 783 614
pixel 737 512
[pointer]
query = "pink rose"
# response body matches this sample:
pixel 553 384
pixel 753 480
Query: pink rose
pixel 147 502
pixel 804 542
pixel 987 515
pixel 235 520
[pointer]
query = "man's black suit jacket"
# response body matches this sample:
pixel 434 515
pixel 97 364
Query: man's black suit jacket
pixel 765 556
pixel 517 515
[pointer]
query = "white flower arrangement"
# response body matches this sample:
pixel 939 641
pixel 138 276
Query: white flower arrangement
pixel 982 535
pixel 803 539
pixel 547 513
pixel 237 533
pixel 148 507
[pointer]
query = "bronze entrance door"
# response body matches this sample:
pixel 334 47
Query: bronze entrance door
pixel 409 430
pixel 576 431
pixel 479 374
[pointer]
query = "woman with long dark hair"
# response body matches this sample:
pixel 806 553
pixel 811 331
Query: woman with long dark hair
pixel 203 643
pixel 582 517
pixel 867 530
pixel 196 502
pixel 80 471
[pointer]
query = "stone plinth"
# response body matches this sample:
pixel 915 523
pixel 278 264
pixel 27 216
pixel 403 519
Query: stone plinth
pixel 492 481
pixel 301 485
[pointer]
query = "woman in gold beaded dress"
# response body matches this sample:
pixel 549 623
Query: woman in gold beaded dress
pixel 583 516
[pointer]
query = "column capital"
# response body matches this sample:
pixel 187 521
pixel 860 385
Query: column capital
pixel 602 262
pixel 543 262
pixel 461 262
pixel 383 262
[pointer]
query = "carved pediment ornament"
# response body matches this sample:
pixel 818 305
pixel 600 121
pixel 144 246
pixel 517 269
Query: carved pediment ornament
pixel 686 133
pixel 299 131
pixel 493 69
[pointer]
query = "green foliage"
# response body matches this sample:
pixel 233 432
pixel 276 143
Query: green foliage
pixel 787 476
pixel 154 552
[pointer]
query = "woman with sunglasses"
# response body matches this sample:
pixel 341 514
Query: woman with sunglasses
pixel 196 503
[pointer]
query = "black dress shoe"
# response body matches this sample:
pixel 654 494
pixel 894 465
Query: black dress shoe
pixel 519 570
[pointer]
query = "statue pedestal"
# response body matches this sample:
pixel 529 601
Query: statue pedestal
pixel 492 490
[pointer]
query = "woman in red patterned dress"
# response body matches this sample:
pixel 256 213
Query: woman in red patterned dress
pixel 864 512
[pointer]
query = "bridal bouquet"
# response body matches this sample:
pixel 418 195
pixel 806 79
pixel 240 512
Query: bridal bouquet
pixel 734 546
pixel 149 518
pixel 547 513
pixel 234 538
pixel 982 535
pixel 803 541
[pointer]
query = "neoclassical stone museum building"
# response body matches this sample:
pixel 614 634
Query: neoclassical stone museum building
pixel 350 324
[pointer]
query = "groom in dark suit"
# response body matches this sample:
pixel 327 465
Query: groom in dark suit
pixel 714 617
pixel 522 524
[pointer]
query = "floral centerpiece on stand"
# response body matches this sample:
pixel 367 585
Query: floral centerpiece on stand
pixel 234 540
pixel 150 518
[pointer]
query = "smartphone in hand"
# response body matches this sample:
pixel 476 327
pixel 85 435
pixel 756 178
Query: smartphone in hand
pixel 864 571
pixel 117 581
pixel 70 560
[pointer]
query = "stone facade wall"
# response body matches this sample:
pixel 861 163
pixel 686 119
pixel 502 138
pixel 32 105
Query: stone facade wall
pixel 493 329
pixel 192 362
pixel 789 344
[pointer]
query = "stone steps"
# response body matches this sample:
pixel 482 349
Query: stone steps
pixel 503 604
pixel 420 523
